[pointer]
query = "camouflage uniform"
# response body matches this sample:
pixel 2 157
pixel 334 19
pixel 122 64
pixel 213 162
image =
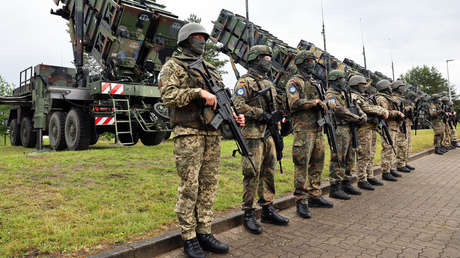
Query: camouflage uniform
pixel 402 140
pixel 365 135
pixel 388 158
pixel 342 162
pixel 262 147
pixel 435 112
pixel 408 145
pixel 369 166
pixel 196 147
pixel 308 146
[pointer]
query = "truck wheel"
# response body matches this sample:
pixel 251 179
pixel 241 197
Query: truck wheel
pixel 77 130
pixel 28 136
pixel 152 139
pixel 57 131
pixel 94 138
pixel 127 138
pixel 15 135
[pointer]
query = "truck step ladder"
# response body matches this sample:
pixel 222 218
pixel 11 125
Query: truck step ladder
pixel 126 111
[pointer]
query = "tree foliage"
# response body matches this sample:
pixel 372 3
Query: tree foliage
pixel 427 79
pixel 6 89
pixel 211 54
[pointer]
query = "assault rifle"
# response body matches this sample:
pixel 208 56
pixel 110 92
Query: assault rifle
pixel 275 117
pixel 353 126
pixel 327 120
pixel 383 129
pixel 225 109
pixel 402 124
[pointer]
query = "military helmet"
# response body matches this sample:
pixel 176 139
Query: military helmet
pixel 355 80
pixel 436 96
pixel 303 55
pixel 335 75
pixel 398 83
pixel 383 85
pixel 444 99
pixel 189 29
pixel 258 50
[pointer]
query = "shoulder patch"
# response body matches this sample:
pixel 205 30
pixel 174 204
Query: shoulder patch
pixel 292 89
pixel 240 92
pixel 332 99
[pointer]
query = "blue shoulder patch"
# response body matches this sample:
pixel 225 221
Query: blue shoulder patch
pixel 240 92
pixel 332 99
pixel 292 89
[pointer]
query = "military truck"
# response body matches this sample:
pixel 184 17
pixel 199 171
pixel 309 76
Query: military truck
pixel 130 40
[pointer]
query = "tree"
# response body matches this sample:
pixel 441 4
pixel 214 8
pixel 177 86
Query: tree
pixel 427 79
pixel 6 89
pixel 211 54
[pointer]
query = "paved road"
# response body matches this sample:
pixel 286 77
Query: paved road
pixel 418 216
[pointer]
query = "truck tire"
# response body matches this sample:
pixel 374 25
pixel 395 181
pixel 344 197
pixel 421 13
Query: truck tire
pixel 152 139
pixel 77 130
pixel 28 136
pixel 15 135
pixel 57 131
pixel 127 138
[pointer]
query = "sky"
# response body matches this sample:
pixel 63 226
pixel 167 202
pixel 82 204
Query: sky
pixel 411 33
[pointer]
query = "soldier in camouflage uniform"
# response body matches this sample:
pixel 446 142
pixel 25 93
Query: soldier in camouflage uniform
pixel 402 139
pixel 435 112
pixel 388 158
pixel 358 85
pixel 252 99
pixel 448 128
pixel 196 146
pixel 454 129
pixel 336 99
pixel 303 94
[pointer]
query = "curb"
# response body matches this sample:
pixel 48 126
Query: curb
pixel 164 243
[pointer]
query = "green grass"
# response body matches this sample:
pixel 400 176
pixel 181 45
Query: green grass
pixel 68 203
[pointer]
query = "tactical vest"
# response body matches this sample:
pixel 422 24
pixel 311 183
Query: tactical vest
pixel 195 115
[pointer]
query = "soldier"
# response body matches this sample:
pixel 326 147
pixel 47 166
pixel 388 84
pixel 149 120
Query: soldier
pixel 385 100
pixel 370 172
pixel 454 129
pixel 404 134
pixel 303 94
pixel 336 99
pixel 364 162
pixel 448 126
pixel 435 114
pixel 196 146
pixel 254 100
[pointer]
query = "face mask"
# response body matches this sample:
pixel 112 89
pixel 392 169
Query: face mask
pixel 264 65
pixel 197 46
pixel 340 85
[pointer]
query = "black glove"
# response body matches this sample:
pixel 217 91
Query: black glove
pixel 265 117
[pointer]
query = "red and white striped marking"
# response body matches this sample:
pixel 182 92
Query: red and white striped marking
pixel 106 120
pixel 112 88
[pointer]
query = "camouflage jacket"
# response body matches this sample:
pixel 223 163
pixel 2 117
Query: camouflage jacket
pixel 387 102
pixel 301 92
pixel 410 109
pixel 253 105
pixel 435 112
pixel 372 111
pixel 180 91
pixel 343 115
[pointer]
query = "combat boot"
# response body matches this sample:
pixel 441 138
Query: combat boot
pixel 455 144
pixel 394 173
pixel 388 177
pixel 193 249
pixel 269 215
pixel 410 167
pixel 338 193
pixel 302 209
pixel 209 243
pixel 404 170
pixel 374 181
pixel 438 151
pixel 444 149
pixel 320 202
pixel 250 222
pixel 365 185
pixel 349 189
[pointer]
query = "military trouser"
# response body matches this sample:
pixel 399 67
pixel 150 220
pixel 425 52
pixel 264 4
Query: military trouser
pixel 261 182
pixel 308 158
pixel 197 163
pixel 370 171
pixel 447 141
pixel 438 130
pixel 341 161
pixel 364 155
pixel 402 146
pixel 454 134
pixel 388 157
pixel 408 148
